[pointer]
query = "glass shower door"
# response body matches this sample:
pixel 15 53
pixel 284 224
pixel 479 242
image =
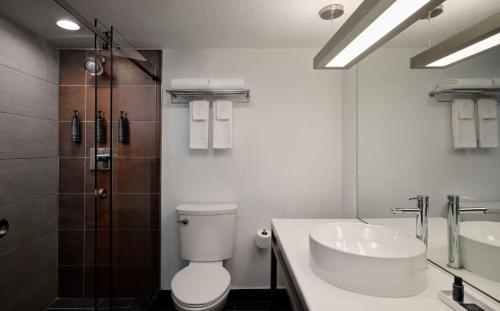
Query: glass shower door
pixel 126 157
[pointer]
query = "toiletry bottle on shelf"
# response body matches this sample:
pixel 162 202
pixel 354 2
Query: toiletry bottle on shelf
pixel 123 128
pixel 100 130
pixel 75 128
pixel 458 289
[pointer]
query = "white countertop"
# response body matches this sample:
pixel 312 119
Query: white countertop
pixel 293 235
pixel 438 248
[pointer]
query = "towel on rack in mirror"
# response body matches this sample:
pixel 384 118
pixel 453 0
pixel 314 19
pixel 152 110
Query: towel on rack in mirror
pixel 222 124
pixel 464 83
pixel 190 84
pixel 198 124
pixel 226 84
pixel 463 124
pixel 488 123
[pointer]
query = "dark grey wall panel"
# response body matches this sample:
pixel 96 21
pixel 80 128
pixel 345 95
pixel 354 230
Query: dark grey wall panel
pixel 23 94
pixel 26 137
pixel 25 52
pixel 28 169
pixel 22 179
pixel 22 266
pixel 39 293
pixel 28 221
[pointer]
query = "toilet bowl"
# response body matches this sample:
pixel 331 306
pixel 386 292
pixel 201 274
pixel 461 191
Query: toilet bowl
pixel 207 238
pixel 201 286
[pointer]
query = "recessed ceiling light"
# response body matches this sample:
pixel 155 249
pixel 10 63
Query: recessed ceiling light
pixel 372 24
pixel 67 24
pixel 474 40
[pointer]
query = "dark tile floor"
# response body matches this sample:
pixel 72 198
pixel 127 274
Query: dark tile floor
pixel 87 304
pixel 238 300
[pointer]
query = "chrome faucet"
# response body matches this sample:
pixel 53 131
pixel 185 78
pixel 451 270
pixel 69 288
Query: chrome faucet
pixel 422 209
pixel 454 212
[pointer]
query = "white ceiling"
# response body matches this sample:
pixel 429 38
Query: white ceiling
pixel 196 24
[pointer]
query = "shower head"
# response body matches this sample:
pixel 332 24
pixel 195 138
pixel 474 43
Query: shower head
pixel 94 66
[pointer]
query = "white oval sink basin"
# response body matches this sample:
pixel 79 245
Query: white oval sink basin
pixel 368 259
pixel 480 248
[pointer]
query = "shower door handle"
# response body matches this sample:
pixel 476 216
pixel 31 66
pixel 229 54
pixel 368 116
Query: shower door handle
pixel 100 193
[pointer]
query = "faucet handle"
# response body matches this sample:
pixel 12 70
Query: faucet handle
pixel 453 197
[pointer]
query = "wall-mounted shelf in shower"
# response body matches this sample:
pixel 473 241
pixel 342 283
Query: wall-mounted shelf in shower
pixel 183 96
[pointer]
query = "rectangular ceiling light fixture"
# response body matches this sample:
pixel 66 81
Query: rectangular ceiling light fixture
pixel 372 24
pixel 476 39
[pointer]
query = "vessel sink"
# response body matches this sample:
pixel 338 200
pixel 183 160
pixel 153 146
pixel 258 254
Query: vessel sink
pixel 480 248
pixel 368 259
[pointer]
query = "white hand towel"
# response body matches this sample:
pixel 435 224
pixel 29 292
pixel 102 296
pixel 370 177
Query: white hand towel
pixel 190 84
pixel 463 124
pixel 198 124
pixel 222 84
pixel 488 123
pixel 199 110
pixel 223 126
pixel 224 110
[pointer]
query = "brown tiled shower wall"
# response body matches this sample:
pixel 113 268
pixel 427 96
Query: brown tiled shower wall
pixel 135 210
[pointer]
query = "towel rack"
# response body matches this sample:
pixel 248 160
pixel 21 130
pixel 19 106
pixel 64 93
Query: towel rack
pixel 183 96
pixel 473 93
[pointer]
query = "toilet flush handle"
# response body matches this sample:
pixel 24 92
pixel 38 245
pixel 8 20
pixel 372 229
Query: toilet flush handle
pixel 183 221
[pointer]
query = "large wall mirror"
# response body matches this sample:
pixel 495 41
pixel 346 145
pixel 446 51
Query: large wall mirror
pixel 405 148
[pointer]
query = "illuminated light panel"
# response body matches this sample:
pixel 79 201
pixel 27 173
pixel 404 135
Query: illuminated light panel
pixel 397 13
pixel 473 49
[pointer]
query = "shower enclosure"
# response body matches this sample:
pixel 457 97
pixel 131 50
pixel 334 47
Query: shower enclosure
pixel 109 173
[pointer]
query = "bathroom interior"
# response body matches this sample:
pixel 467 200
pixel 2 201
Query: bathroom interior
pixel 206 155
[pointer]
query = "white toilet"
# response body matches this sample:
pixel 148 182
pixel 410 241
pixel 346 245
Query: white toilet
pixel 207 238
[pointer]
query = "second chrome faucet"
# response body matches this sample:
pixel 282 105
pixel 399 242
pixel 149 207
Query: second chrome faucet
pixel 422 230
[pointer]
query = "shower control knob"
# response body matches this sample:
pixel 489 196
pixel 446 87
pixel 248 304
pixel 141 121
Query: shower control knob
pixel 100 193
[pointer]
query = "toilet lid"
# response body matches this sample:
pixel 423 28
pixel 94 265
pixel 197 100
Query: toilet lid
pixel 200 283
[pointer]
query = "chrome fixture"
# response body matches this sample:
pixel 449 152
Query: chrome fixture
pixel 454 212
pixel 474 40
pixel 433 13
pixel 422 210
pixel 331 12
pixel 372 24
pixel 4 227
pixel 183 221
pixel 101 159
pixel 94 66
pixel 101 193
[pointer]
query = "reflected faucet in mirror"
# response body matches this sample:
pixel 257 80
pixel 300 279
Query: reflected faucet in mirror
pixel 422 209
pixel 454 212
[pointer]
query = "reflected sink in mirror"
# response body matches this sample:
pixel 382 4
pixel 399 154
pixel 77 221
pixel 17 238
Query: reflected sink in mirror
pixel 368 259
pixel 480 248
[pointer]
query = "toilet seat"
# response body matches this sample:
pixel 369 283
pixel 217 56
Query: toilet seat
pixel 201 284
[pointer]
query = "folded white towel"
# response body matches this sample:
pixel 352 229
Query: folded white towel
pixel 465 111
pixel 198 128
pixel 199 110
pixel 222 127
pixel 224 109
pixel 221 84
pixel 190 84
pixel 464 129
pixel 488 123
pixel 464 83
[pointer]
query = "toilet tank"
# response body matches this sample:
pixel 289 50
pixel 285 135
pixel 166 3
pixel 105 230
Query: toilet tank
pixel 207 231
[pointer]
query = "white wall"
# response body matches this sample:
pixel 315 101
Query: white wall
pixel 405 144
pixel 349 142
pixel 286 160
